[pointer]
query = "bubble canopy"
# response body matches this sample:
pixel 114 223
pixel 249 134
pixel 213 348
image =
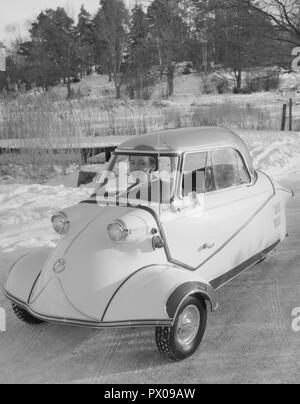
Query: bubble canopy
pixel 141 177
pixel 149 168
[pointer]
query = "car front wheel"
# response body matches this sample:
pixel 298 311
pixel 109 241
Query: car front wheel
pixel 183 339
pixel 24 316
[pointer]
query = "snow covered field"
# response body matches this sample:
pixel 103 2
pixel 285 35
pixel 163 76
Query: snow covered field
pixel 25 209
pixel 25 212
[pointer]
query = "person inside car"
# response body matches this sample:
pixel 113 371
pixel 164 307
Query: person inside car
pixel 143 164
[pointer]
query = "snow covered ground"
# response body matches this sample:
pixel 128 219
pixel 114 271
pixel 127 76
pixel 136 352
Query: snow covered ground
pixel 25 212
pixel 25 209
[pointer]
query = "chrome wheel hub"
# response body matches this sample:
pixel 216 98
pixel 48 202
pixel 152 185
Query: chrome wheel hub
pixel 188 325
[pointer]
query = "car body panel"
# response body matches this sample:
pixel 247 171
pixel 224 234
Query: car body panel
pixel 24 273
pixel 145 295
pixel 223 215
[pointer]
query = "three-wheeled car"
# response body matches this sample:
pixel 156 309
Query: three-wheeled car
pixel 176 216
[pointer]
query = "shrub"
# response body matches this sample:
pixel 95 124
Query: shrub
pixel 243 90
pixel 187 69
pixel 214 83
pixel 266 80
pixel 232 115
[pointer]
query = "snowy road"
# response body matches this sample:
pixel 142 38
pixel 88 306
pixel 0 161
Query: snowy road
pixel 249 339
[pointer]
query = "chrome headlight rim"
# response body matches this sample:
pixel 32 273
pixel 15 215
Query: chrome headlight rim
pixel 118 225
pixel 64 221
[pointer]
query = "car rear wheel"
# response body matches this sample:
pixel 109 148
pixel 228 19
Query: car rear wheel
pixel 183 339
pixel 24 316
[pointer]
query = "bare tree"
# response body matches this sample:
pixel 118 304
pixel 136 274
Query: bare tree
pixel 285 18
pixel 285 15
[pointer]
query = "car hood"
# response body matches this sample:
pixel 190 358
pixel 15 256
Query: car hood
pixel 87 267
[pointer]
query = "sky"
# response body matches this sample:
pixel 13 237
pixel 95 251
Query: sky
pixel 15 15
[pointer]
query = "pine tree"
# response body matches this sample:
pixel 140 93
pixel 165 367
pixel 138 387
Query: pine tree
pixel 111 32
pixel 240 37
pixel 141 50
pixel 170 32
pixel 84 31
pixel 54 40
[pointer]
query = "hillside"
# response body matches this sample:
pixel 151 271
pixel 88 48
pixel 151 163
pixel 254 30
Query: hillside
pixel 189 93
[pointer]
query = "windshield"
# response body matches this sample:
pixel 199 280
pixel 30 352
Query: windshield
pixel 137 179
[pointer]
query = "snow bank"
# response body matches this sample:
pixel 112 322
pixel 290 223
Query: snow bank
pixel 25 210
pixel 276 153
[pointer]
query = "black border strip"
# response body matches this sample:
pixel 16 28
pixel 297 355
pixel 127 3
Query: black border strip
pixel 223 279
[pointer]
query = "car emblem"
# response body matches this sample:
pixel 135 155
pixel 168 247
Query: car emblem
pixel 59 266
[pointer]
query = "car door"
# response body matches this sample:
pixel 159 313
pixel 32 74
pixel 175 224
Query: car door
pixel 225 217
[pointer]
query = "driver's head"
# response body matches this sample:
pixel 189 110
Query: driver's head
pixel 142 163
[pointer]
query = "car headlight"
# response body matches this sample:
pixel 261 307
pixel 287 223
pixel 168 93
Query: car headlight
pixel 61 223
pixel 118 231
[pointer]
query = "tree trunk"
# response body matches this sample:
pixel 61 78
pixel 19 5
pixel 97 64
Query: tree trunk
pixel 118 91
pixel 170 76
pixel 238 76
pixel 69 87
pixel 131 92
pixel 140 87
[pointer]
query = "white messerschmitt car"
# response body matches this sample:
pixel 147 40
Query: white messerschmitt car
pixel 176 215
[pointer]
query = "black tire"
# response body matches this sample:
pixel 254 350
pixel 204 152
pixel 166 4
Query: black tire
pixel 24 316
pixel 166 337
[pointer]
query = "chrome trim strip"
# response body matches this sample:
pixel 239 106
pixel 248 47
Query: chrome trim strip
pixel 90 324
pixel 235 272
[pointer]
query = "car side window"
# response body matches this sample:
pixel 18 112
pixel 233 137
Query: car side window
pixel 210 184
pixel 194 172
pixel 229 169
pixel 244 176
